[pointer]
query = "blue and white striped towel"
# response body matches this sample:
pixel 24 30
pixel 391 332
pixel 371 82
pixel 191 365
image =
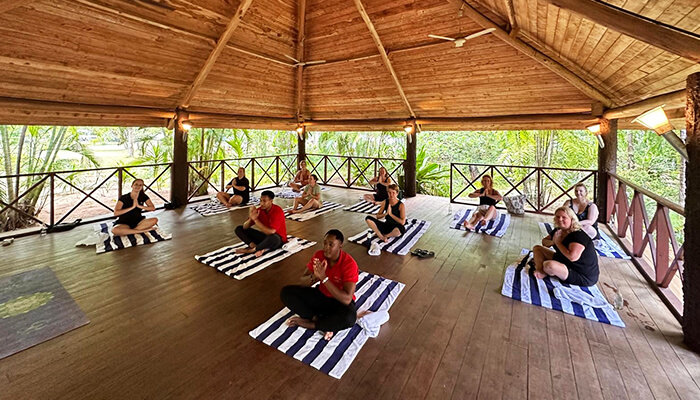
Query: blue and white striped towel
pixel 332 357
pixel 327 206
pixel 415 228
pixel 112 242
pixel 240 266
pixel 364 207
pixel 605 246
pixel 215 207
pixel 496 227
pixel 520 284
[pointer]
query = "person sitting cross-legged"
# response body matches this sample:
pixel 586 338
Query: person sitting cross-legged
pixel 269 218
pixel 488 197
pixel 129 209
pixel 301 179
pixel 241 191
pixel 380 182
pixel 574 259
pixel 330 307
pixel 394 212
pixel 310 199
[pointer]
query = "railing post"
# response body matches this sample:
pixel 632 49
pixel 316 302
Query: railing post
pixel 622 208
pixel 539 189
pixel 252 174
pixel 637 226
pixel 277 170
pixel 607 163
pixel 452 165
pixel 222 164
pixel 120 181
pixel 347 183
pixel 325 169
pixel 53 202
pixel 662 247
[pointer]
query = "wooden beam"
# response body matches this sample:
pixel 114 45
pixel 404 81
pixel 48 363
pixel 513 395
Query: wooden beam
pixel 671 100
pixel 301 38
pixel 215 53
pixel 533 53
pixel 28 106
pixel 510 10
pixel 7 5
pixel 383 54
pixel 674 40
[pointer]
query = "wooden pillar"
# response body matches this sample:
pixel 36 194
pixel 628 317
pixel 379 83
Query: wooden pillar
pixel 301 146
pixel 691 270
pixel 607 162
pixel 410 165
pixel 180 170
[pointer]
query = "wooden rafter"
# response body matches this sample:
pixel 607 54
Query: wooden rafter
pixel 533 53
pixel 7 5
pixel 666 37
pixel 510 10
pixel 301 38
pixel 383 54
pixel 215 53
pixel 670 100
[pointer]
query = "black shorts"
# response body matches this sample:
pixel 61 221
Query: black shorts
pixel 578 279
pixel 131 222
pixel 378 197
pixel 386 227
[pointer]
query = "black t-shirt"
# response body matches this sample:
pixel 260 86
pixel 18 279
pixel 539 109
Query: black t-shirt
pixel 486 200
pixel 245 194
pixel 127 202
pixel 587 264
pixel 395 210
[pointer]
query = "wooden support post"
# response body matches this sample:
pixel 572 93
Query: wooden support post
pixel 301 146
pixel 179 173
pixel 409 168
pixel 607 163
pixel 691 270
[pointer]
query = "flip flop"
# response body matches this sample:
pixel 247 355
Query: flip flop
pixel 427 254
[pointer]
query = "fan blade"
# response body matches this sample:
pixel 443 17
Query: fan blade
pixel 315 62
pixel 441 37
pixel 292 58
pixel 480 33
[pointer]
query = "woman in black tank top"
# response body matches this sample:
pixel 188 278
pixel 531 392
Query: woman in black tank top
pixel 488 197
pixel 585 210
pixel 129 209
pixel 381 182
pixel 394 212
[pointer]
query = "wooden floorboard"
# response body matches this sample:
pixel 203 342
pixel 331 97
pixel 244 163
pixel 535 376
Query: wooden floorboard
pixel 163 325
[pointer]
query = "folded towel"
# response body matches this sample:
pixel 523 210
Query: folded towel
pixel 578 296
pixel 372 322
pixel 291 243
pixel 374 250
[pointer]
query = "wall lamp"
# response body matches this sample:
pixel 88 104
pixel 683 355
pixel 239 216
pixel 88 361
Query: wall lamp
pixel 656 120
pixel 301 131
pixel 595 130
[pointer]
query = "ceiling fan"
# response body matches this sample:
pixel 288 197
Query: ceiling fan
pixel 299 63
pixel 460 41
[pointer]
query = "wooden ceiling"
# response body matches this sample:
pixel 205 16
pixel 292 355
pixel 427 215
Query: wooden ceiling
pixel 133 62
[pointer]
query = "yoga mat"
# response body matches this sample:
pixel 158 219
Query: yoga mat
pixel 111 242
pixel 496 227
pixel 519 283
pixel 34 307
pixel 605 246
pixel 364 207
pixel 415 228
pixel 327 206
pixel 240 266
pixel 332 357
pixel 215 207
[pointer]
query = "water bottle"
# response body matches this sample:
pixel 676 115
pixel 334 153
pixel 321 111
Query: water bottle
pixel 449 208
pixel 43 230
pixel 618 302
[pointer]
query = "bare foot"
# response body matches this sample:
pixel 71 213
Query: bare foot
pixel 363 313
pixel 245 250
pixel 260 252
pixel 328 336
pixel 293 321
pixel 540 274
pixel 382 237
pixel 467 226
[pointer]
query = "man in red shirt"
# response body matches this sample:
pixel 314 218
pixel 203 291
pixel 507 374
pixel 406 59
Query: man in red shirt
pixel 331 306
pixel 269 218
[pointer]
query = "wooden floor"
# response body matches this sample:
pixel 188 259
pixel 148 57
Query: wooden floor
pixel 165 326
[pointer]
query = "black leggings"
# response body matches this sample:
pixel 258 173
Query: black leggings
pixel 307 302
pixel 386 227
pixel 261 240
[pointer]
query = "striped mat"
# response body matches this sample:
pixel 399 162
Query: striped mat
pixel 415 228
pixel 112 243
pixel 520 284
pixel 327 206
pixel 240 266
pixel 332 357
pixel 496 227
pixel 364 207
pixel 605 246
pixel 215 207
pixel 288 193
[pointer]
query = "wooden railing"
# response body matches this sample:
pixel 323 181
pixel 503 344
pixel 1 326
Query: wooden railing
pixel 544 188
pixel 44 190
pixel 653 244
pixel 352 172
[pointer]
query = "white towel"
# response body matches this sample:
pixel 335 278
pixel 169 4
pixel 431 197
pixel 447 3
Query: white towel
pixel 580 297
pixel 291 244
pixel 372 322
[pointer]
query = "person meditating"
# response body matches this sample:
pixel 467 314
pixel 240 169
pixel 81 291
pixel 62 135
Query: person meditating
pixel 380 183
pixel 302 177
pixel 269 218
pixel 129 208
pixel 241 191
pixel 586 211
pixel 394 212
pixel 330 307
pixel 310 199
pixel 574 259
pixel 488 197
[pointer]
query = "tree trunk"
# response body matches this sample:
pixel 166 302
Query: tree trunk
pixel 20 145
pixel 7 157
pixel 630 150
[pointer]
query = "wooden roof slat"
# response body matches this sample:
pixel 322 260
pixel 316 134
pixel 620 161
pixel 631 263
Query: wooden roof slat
pixel 7 5
pixel 220 45
pixel 300 56
pixel 671 100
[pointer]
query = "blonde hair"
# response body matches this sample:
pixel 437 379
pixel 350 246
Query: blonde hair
pixel 575 225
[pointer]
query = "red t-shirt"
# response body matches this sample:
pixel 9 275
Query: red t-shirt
pixel 344 270
pixel 274 219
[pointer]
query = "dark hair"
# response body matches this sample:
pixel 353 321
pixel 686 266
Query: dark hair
pixel 314 176
pixel 338 234
pixel 142 191
pixel 268 193
pixel 394 187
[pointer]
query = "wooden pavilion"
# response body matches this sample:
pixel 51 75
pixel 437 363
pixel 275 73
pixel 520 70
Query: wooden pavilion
pixel 366 65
